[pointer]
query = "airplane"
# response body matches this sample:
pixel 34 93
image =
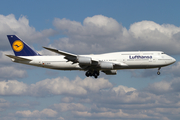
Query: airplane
pixel 108 63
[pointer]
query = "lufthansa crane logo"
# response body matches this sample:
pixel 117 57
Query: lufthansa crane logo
pixel 18 45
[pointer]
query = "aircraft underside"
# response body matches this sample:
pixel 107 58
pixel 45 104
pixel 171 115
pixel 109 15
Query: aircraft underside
pixel 95 71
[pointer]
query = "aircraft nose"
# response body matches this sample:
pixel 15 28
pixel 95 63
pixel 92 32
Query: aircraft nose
pixel 173 60
pixel 170 60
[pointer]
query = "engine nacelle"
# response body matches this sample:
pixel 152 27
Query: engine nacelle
pixel 110 72
pixel 84 60
pixel 106 66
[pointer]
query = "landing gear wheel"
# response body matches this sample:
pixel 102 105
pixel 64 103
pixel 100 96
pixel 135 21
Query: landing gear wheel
pixel 92 73
pixel 87 74
pixel 95 76
pixel 159 71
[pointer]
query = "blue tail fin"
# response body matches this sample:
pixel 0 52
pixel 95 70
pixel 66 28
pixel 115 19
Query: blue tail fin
pixel 20 48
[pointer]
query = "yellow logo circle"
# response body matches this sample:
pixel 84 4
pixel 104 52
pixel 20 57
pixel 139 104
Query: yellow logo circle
pixel 17 46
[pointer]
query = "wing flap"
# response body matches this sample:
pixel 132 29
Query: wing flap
pixel 18 58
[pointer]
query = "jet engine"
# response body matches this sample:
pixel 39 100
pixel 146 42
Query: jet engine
pixel 106 66
pixel 84 60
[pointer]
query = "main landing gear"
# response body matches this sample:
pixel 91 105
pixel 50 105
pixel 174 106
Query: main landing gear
pixel 159 71
pixel 92 73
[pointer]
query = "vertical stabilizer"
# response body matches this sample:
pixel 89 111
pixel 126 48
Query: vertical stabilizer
pixel 20 48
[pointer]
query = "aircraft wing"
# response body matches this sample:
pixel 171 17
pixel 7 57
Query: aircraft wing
pixel 61 52
pixel 68 56
pixel 73 57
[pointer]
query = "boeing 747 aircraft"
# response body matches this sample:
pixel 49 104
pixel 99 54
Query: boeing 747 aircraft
pixel 108 63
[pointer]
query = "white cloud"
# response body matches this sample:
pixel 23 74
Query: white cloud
pixel 11 73
pixel 4 60
pixel 101 25
pixel 123 90
pixel 12 87
pixel 119 102
pixel 174 69
pixel 97 25
pixel 37 114
pixel 65 24
pixel 113 115
pixel 93 34
pixel 65 86
pixel 63 107
pixel 10 25
pixel 93 84
pixel 54 86
pixel 10 70
pixel 67 99
pixel 160 87
pixel 144 28
pixel 100 34
pixel 61 118
pixel 122 102
pixel 136 105
pixel 149 35
pixel 164 87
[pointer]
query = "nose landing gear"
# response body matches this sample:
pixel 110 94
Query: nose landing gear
pixel 159 71
pixel 92 73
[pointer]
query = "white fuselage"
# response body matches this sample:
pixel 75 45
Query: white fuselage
pixel 126 60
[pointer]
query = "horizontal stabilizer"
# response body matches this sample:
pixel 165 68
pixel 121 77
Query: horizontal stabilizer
pixel 18 58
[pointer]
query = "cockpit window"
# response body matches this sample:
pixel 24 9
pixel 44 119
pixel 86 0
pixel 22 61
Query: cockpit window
pixel 162 53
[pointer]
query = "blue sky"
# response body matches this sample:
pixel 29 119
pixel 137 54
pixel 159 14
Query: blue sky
pixel 125 12
pixel 84 27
